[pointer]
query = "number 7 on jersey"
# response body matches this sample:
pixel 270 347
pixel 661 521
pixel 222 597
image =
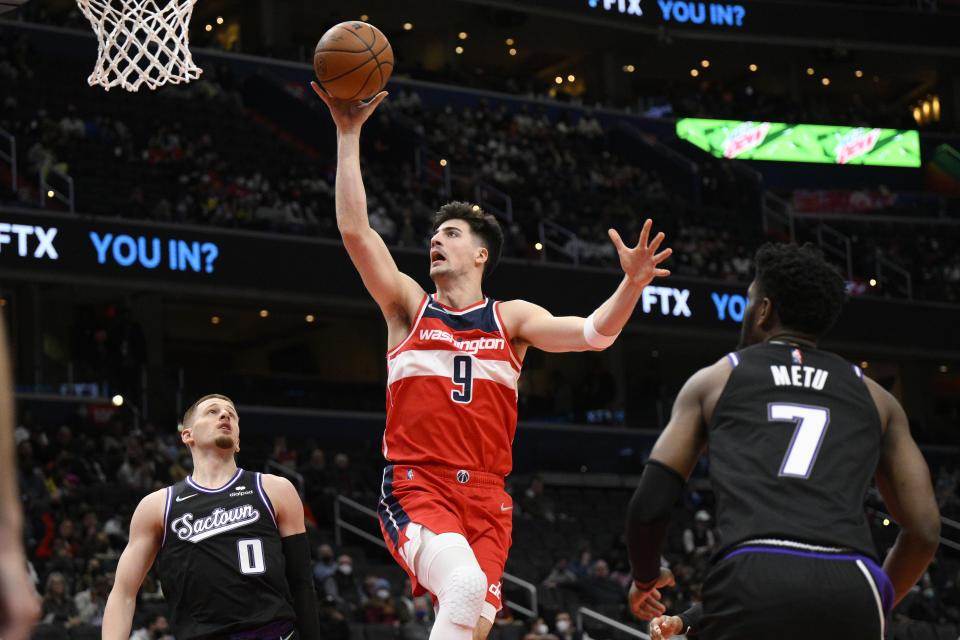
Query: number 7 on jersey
pixel 811 424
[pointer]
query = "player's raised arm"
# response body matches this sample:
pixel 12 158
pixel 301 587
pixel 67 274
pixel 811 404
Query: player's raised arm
pixel 19 604
pixel 296 552
pixel 146 530
pixel 392 290
pixel 904 481
pixel 539 328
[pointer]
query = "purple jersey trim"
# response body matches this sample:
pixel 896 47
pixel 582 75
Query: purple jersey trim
pixel 266 500
pixel 166 514
pixel 194 485
pixel 884 586
pixel 276 629
pixel 734 358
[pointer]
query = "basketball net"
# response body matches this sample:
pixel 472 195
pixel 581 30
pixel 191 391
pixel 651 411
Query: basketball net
pixel 141 41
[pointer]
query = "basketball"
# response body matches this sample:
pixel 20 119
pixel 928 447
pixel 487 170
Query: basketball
pixel 353 60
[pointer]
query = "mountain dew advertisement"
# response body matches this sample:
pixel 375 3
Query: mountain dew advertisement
pixel 803 142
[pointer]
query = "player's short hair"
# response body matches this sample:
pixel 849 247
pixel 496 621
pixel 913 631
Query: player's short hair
pixel 807 292
pixel 482 224
pixel 188 414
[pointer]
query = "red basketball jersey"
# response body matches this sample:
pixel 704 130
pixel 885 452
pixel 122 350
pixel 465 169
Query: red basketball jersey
pixel 452 390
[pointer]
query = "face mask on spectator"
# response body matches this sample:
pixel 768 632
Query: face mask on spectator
pixel 542 629
pixel 563 625
pixel 383 594
pixel 422 615
pixel 345 569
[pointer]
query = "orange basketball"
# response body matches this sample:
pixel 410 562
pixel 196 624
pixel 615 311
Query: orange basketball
pixel 353 60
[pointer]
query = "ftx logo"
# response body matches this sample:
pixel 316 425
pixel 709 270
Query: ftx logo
pixel 670 301
pixel 629 7
pixel 28 236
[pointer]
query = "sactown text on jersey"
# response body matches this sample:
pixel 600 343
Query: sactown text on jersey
pixel 217 522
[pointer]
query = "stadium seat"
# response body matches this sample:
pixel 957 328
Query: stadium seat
pixel 85 632
pixel 507 632
pixel 379 632
pixel 50 632
pixel 357 632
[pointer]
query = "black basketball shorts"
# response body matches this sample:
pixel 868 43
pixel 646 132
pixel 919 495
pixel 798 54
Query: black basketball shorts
pixel 790 591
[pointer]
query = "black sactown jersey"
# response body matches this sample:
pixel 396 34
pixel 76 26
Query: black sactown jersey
pixel 794 442
pixel 221 562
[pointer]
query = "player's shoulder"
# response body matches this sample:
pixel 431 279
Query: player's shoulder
pixel 718 372
pixel 517 308
pixel 703 388
pixel 887 404
pixel 152 506
pixel 277 486
pixel 158 496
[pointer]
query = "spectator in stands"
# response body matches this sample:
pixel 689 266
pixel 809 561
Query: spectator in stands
pixel 344 479
pixel 58 606
pixel 318 494
pixel 539 630
pixel 156 628
pixel 349 595
pixel 333 624
pixel 580 563
pixel 559 574
pixel 599 588
pixel 534 504
pixel 324 570
pixel 419 625
pixel 136 472
pixel 380 607
pixel 565 628
pixel 699 541
pixel 91 602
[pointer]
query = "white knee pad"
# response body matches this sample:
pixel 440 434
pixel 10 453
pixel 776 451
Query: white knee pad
pixel 447 567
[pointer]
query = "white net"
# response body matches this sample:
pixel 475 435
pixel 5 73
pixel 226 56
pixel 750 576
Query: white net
pixel 141 42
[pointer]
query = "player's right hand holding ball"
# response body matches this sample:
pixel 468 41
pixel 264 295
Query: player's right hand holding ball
pixel 663 627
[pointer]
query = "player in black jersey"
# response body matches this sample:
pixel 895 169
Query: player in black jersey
pixel 233 557
pixel 795 436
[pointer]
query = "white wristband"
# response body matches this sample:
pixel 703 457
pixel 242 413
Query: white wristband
pixel 593 337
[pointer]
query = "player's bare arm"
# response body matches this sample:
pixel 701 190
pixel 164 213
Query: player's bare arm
pixel 288 509
pixel 397 294
pixel 904 481
pixel 19 603
pixel 531 325
pixel 146 531
pixel 671 462
pixel 286 501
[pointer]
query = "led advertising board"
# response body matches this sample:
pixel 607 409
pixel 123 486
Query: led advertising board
pixel 824 144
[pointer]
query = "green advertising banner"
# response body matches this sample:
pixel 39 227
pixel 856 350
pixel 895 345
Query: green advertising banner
pixel 803 142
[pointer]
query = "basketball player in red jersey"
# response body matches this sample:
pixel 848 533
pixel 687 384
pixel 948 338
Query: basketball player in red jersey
pixel 453 362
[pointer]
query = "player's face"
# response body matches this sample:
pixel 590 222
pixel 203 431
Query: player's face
pixel 215 421
pixel 453 249
pixel 749 331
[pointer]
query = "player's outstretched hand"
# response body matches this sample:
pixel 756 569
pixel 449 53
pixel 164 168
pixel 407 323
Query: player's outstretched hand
pixel 664 627
pixel 19 603
pixel 640 262
pixel 349 115
pixel 646 605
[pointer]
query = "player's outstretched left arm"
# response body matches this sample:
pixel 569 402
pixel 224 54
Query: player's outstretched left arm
pixel 146 530
pixel 539 328
pixel 296 552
